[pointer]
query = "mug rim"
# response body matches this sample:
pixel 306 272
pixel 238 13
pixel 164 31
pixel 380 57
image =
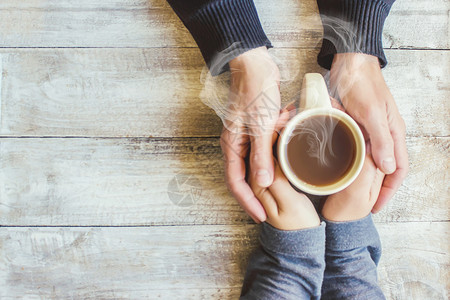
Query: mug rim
pixel 343 182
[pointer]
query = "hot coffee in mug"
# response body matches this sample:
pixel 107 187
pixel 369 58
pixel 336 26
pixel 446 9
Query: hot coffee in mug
pixel 321 150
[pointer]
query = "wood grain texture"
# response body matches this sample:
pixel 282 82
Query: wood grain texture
pixel 415 263
pixel 200 262
pixel 104 182
pixel 143 23
pixel 159 92
pixel 418 24
pixel 103 126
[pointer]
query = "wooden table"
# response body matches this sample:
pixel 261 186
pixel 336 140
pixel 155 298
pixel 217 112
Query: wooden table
pixel 101 118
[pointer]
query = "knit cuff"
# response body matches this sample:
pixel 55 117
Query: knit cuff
pixel 293 242
pixel 225 29
pixel 342 236
pixel 352 26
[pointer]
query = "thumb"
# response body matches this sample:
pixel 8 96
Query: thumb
pixel 381 141
pixel 261 159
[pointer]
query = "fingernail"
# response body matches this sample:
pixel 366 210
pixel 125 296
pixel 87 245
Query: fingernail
pixel 389 165
pixel 263 178
pixel 261 217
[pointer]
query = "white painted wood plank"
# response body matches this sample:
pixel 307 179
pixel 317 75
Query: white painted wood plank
pixel 1 79
pixel 419 83
pixel 108 92
pixel 418 24
pixel 141 23
pixel 61 181
pixel 201 262
pixel 415 263
pixel 156 92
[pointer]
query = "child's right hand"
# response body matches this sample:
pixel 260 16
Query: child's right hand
pixel 286 208
pixel 357 200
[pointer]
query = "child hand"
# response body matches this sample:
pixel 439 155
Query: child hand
pixel 356 201
pixel 286 208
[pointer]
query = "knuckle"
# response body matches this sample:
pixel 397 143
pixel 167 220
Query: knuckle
pixel 401 126
pixel 370 112
pixel 384 145
pixel 278 180
pixel 388 144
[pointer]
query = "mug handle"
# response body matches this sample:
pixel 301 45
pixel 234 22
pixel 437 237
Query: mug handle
pixel 314 92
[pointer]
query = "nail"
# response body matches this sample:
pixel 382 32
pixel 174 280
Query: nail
pixel 263 178
pixel 389 165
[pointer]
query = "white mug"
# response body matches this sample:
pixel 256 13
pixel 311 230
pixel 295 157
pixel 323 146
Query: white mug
pixel 315 101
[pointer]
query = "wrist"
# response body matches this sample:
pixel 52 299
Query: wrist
pixel 354 61
pixel 254 66
pixel 336 209
pixel 299 214
pixel 249 57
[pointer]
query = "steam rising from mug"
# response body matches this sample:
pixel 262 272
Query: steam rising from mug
pixel 319 140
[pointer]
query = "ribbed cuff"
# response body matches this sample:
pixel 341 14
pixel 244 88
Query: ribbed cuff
pixel 352 26
pixel 349 235
pixel 293 242
pixel 225 29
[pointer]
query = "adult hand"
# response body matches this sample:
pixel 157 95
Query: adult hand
pixel 358 81
pixel 253 111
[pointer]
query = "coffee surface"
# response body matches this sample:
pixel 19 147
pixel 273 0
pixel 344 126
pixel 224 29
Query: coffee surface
pixel 321 150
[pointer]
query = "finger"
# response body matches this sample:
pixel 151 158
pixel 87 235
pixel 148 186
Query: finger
pixel 281 123
pixel 363 185
pixel 234 151
pixel 285 115
pixel 261 159
pixel 244 195
pixel 377 127
pixel 336 104
pixel 285 193
pixel 393 182
pixel 290 107
pixel 375 188
pixel 267 200
pixel 282 119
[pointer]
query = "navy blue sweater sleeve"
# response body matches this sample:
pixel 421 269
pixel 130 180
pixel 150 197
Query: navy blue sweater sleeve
pixel 353 250
pixel 222 29
pixel 352 26
pixel 287 265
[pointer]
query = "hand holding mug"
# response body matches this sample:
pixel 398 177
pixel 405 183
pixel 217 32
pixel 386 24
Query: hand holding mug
pixel 357 200
pixel 358 81
pixel 286 208
pixel 250 122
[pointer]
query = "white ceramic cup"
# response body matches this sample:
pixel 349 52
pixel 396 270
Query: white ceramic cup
pixel 315 101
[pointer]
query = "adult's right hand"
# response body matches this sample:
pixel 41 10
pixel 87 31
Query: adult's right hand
pixel 253 112
pixel 358 80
